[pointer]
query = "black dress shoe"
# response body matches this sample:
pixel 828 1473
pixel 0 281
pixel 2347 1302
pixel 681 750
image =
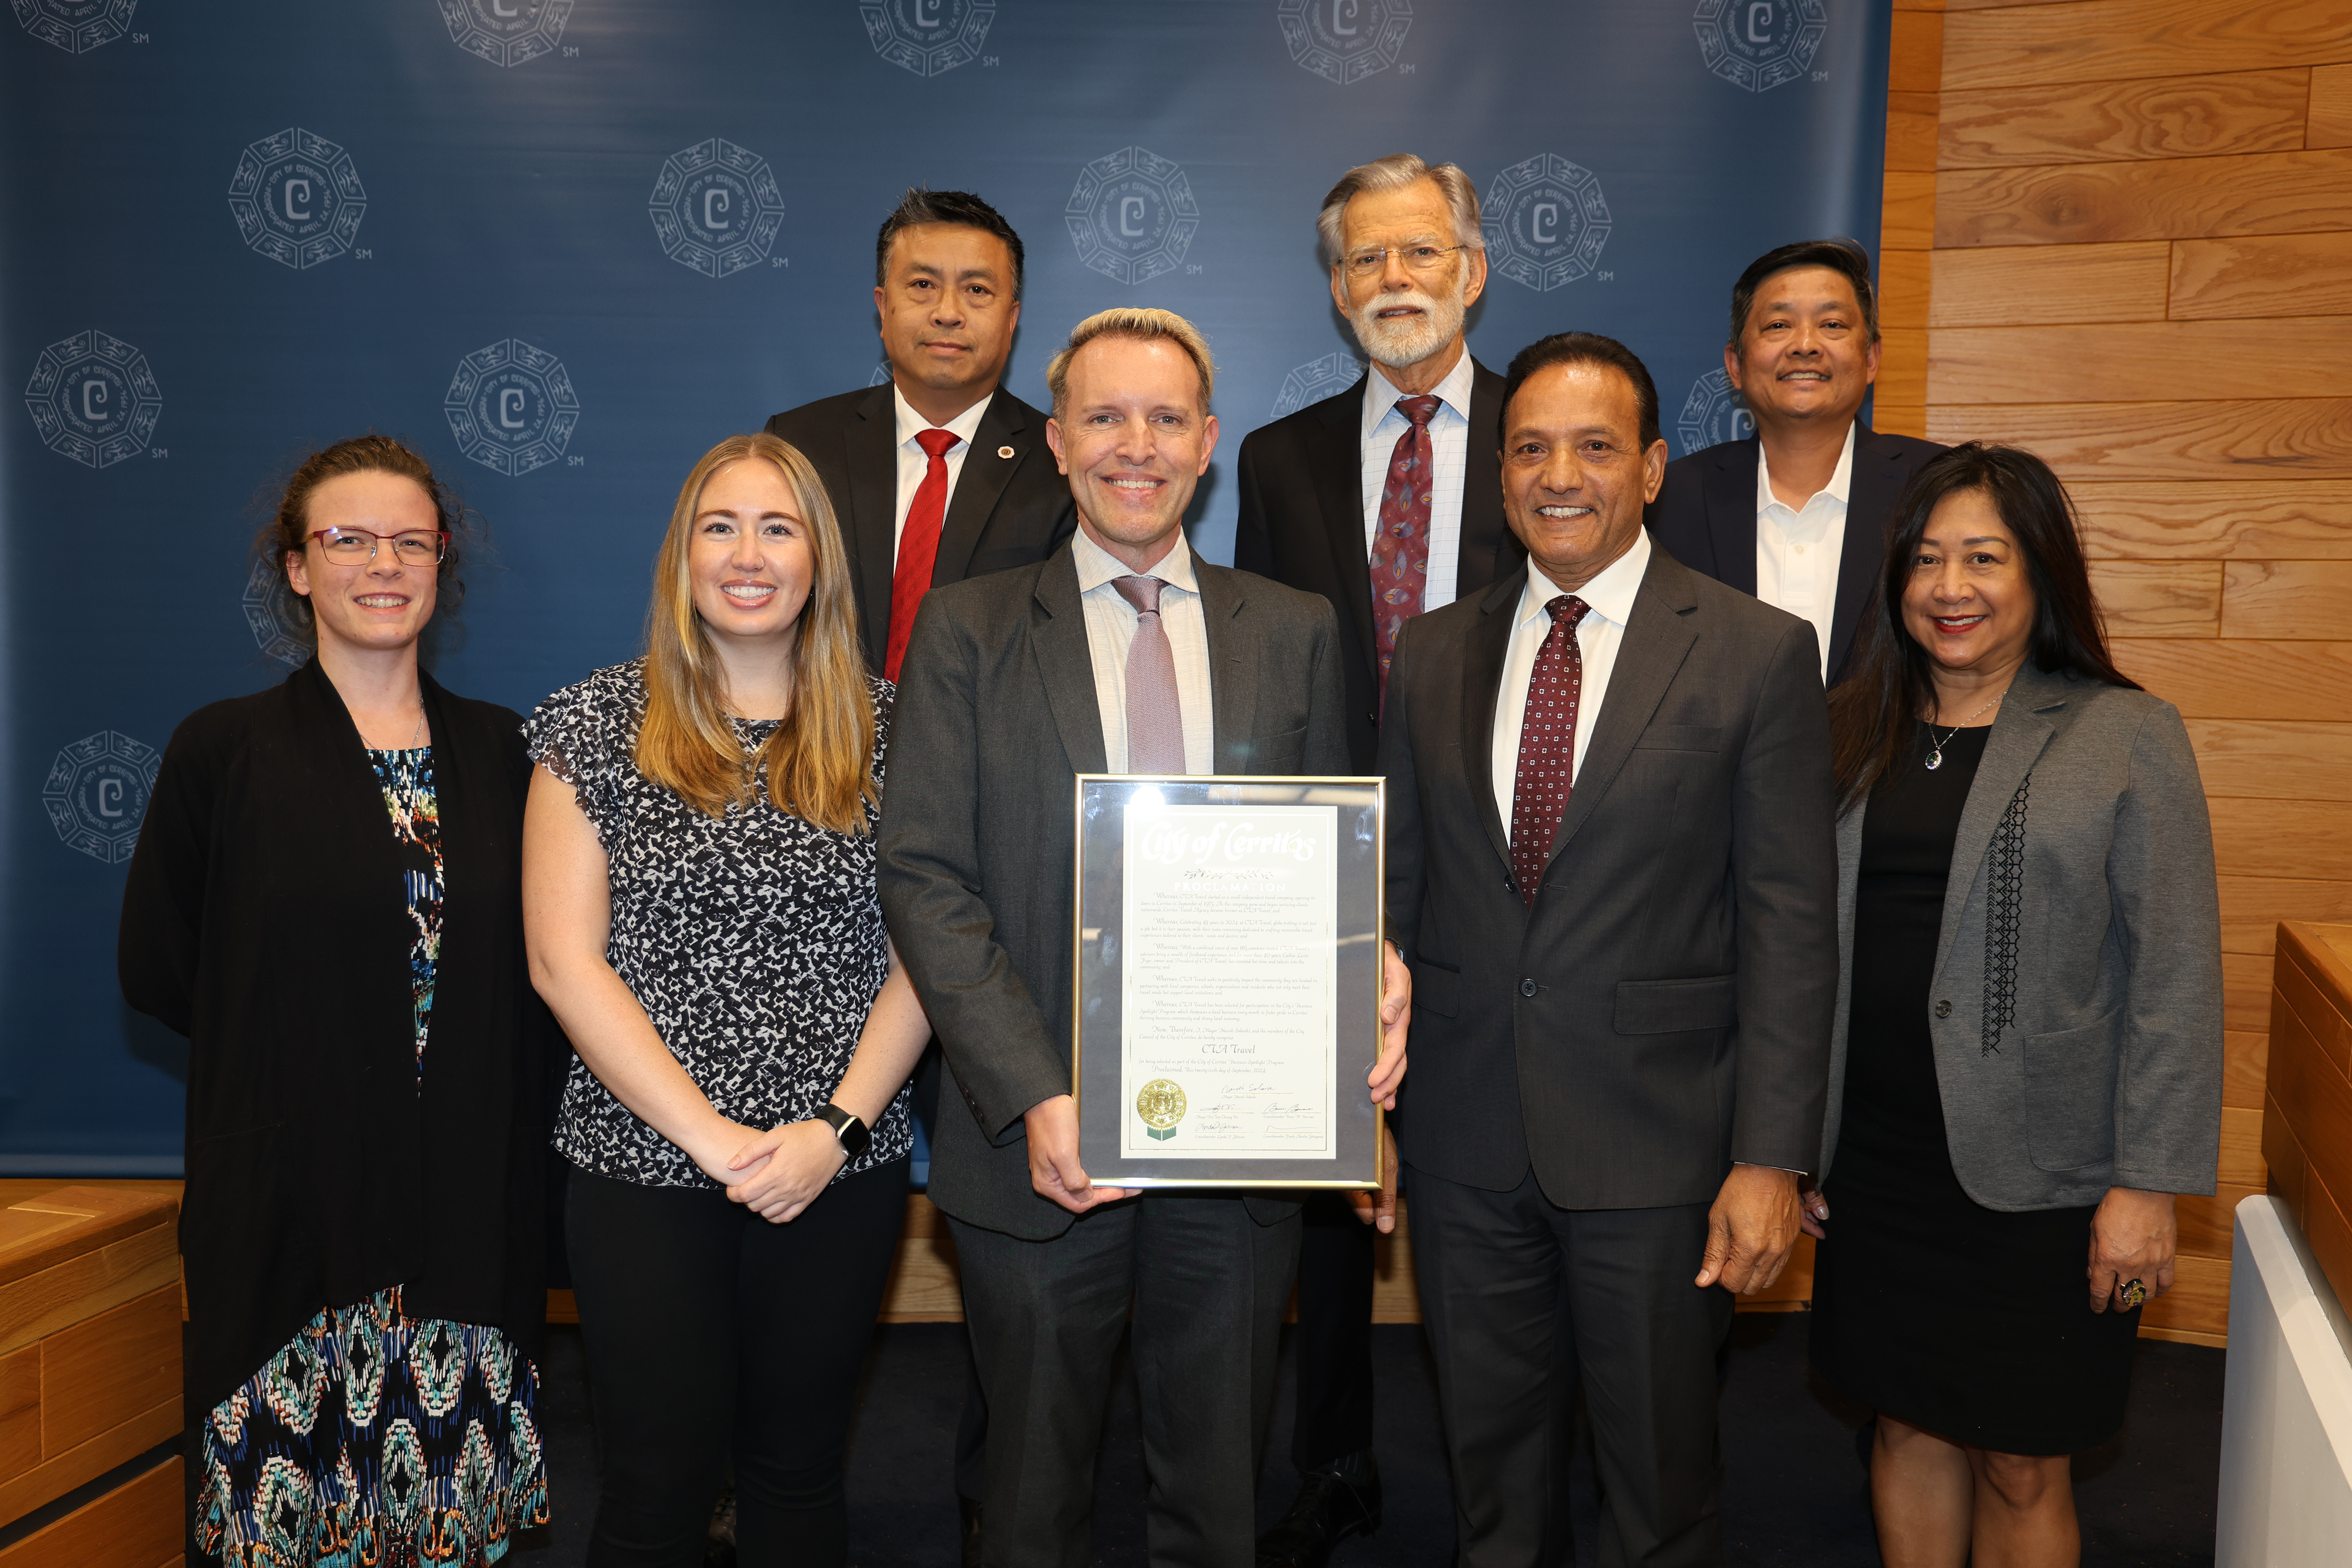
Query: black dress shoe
pixel 970 1508
pixel 1339 1499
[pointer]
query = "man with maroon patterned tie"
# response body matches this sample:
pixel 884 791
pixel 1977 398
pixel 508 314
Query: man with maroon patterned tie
pixel 1386 500
pixel 1610 869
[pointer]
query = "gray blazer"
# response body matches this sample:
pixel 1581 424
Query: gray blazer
pixel 996 715
pixel 1665 1008
pixel 2076 1012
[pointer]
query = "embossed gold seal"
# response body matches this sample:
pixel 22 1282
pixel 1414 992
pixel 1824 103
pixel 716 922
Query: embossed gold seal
pixel 1160 1103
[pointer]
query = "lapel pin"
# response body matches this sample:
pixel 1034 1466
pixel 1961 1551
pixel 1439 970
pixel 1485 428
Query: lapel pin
pixel 1005 451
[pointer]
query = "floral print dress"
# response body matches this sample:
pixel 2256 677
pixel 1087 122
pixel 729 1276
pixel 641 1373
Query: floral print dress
pixel 374 1440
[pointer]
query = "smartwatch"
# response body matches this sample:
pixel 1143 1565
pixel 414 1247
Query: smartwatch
pixel 852 1133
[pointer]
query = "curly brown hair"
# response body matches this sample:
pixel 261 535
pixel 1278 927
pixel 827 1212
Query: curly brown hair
pixel 289 525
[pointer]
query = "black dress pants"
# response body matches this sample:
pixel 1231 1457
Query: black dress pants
pixel 1205 1284
pixel 1334 1341
pixel 712 1334
pixel 1520 1298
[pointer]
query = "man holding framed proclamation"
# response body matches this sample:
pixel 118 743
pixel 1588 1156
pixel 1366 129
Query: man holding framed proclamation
pixel 1122 654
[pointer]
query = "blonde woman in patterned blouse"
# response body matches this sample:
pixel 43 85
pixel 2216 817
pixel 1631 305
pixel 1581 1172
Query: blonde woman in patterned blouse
pixel 699 869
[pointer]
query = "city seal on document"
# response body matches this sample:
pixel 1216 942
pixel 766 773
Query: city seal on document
pixel 1160 1103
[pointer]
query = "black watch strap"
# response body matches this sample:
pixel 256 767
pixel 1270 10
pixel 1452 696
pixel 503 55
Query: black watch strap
pixel 852 1133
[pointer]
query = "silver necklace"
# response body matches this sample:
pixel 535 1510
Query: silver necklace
pixel 419 730
pixel 1935 748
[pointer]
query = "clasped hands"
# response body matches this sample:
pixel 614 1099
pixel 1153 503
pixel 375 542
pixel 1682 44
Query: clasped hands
pixel 775 1173
pixel 1052 1124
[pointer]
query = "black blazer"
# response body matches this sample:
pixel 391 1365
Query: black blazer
pixel 1665 1008
pixel 1302 524
pixel 264 918
pixel 1005 511
pixel 1706 515
pixel 996 717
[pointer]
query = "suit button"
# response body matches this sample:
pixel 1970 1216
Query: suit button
pixel 1943 1009
pixel 1526 987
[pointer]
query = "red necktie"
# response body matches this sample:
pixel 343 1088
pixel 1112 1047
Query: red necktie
pixel 1547 746
pixel 919 545
pixel 1400 542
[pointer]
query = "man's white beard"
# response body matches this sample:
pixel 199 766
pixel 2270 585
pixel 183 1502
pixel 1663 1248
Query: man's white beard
pixel 1407 340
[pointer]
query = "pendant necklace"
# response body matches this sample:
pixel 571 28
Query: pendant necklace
pixel 1935 747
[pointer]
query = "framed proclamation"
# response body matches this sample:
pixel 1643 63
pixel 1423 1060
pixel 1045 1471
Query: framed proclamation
pixel 1228 980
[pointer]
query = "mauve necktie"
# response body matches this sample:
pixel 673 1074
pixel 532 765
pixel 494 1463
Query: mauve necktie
pixel 1400 542
pixel 919 545
pixel 1547 746
pixel 1155 721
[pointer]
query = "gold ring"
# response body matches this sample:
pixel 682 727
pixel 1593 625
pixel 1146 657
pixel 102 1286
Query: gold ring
pixel 2131 1293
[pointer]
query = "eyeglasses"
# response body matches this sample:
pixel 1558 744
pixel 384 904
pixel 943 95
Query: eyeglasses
pixel 1367 262
pixel 350 546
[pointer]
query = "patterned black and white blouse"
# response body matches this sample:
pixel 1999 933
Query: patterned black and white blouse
pixel 754 942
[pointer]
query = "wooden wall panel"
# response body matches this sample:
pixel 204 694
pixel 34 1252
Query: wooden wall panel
pixel 2159 598
pixel 2261 275
pixel 2242 438
pixel 2273 759
pixel 1915 55
pixel 1906 219
pixel 2282 839
pixel 2162 198
pixel 1911 131
pixel 2169 117
pixel 2225 678
pixel 2259 519
pixel 2115 41
pixel 2330 123
pixel 2298 599
pixel 1903 283
pixel 2245 1067
pixel 2252 908
pixel 2125 362
pixel 2017 285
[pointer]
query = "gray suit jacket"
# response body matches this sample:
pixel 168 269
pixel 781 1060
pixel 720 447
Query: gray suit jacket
pixel 2085 835
pixel 1665 1010
pixel 995 718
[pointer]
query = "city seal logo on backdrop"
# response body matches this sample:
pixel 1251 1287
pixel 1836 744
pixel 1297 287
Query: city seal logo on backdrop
pixel 267 613
pixel 75 25
pixel 511 407
pixel 926 37
pixel 1759 44
pixel 93 399
pixel 1544 222
pixel 716 208
pixel 97 792
pixel 1131 215
pixel 297 199
pixel 1317 380
pixel 1344 40
pixel 1713 414
pixel 506 32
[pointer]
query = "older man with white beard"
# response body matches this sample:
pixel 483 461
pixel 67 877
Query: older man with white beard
pixel 1388 500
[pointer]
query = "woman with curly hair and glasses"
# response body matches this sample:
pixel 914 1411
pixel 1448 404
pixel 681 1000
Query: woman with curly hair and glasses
pixel 327 900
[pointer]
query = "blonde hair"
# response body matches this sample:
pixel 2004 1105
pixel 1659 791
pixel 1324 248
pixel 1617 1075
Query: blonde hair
pixel 1143 325
pixel 820 759
pixel 1394 173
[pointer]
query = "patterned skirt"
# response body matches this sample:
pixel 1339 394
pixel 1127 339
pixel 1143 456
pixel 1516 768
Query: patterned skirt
pixel 375 1440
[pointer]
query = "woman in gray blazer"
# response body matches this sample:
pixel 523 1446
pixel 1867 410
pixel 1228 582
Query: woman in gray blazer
pixel 2027 1064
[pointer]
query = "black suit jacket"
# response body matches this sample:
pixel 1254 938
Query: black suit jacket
pixel 1665 1008
pixel 1302 524
pixel 996 717
pixel 1005 511
pixel 1706 515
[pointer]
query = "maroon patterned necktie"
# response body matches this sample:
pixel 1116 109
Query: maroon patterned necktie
pixel 1547 746
pixel 1400 542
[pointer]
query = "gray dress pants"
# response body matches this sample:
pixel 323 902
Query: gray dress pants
pixel 1207 1284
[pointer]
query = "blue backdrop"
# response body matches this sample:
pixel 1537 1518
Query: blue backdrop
pixel 562 246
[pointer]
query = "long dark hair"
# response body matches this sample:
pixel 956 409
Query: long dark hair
pixel 1872 713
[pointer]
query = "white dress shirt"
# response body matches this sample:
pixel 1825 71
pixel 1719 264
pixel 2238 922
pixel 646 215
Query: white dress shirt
pixel 914 462
pixel 1797 549
pixel 1449 456
pixel 1110 631
pixel 1598 636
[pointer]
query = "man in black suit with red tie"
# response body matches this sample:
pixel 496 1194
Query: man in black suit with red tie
pixel 1386 500
pixel 942 474
pixel 1796 514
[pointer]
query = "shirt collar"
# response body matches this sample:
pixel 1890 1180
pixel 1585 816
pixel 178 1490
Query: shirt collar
pixel 912 423
pixel 1840 482
pixel 1380 394
pixel 1611 595
pixel 1098 566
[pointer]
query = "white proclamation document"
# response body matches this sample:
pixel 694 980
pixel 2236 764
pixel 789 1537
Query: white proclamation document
pixel 1229 982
